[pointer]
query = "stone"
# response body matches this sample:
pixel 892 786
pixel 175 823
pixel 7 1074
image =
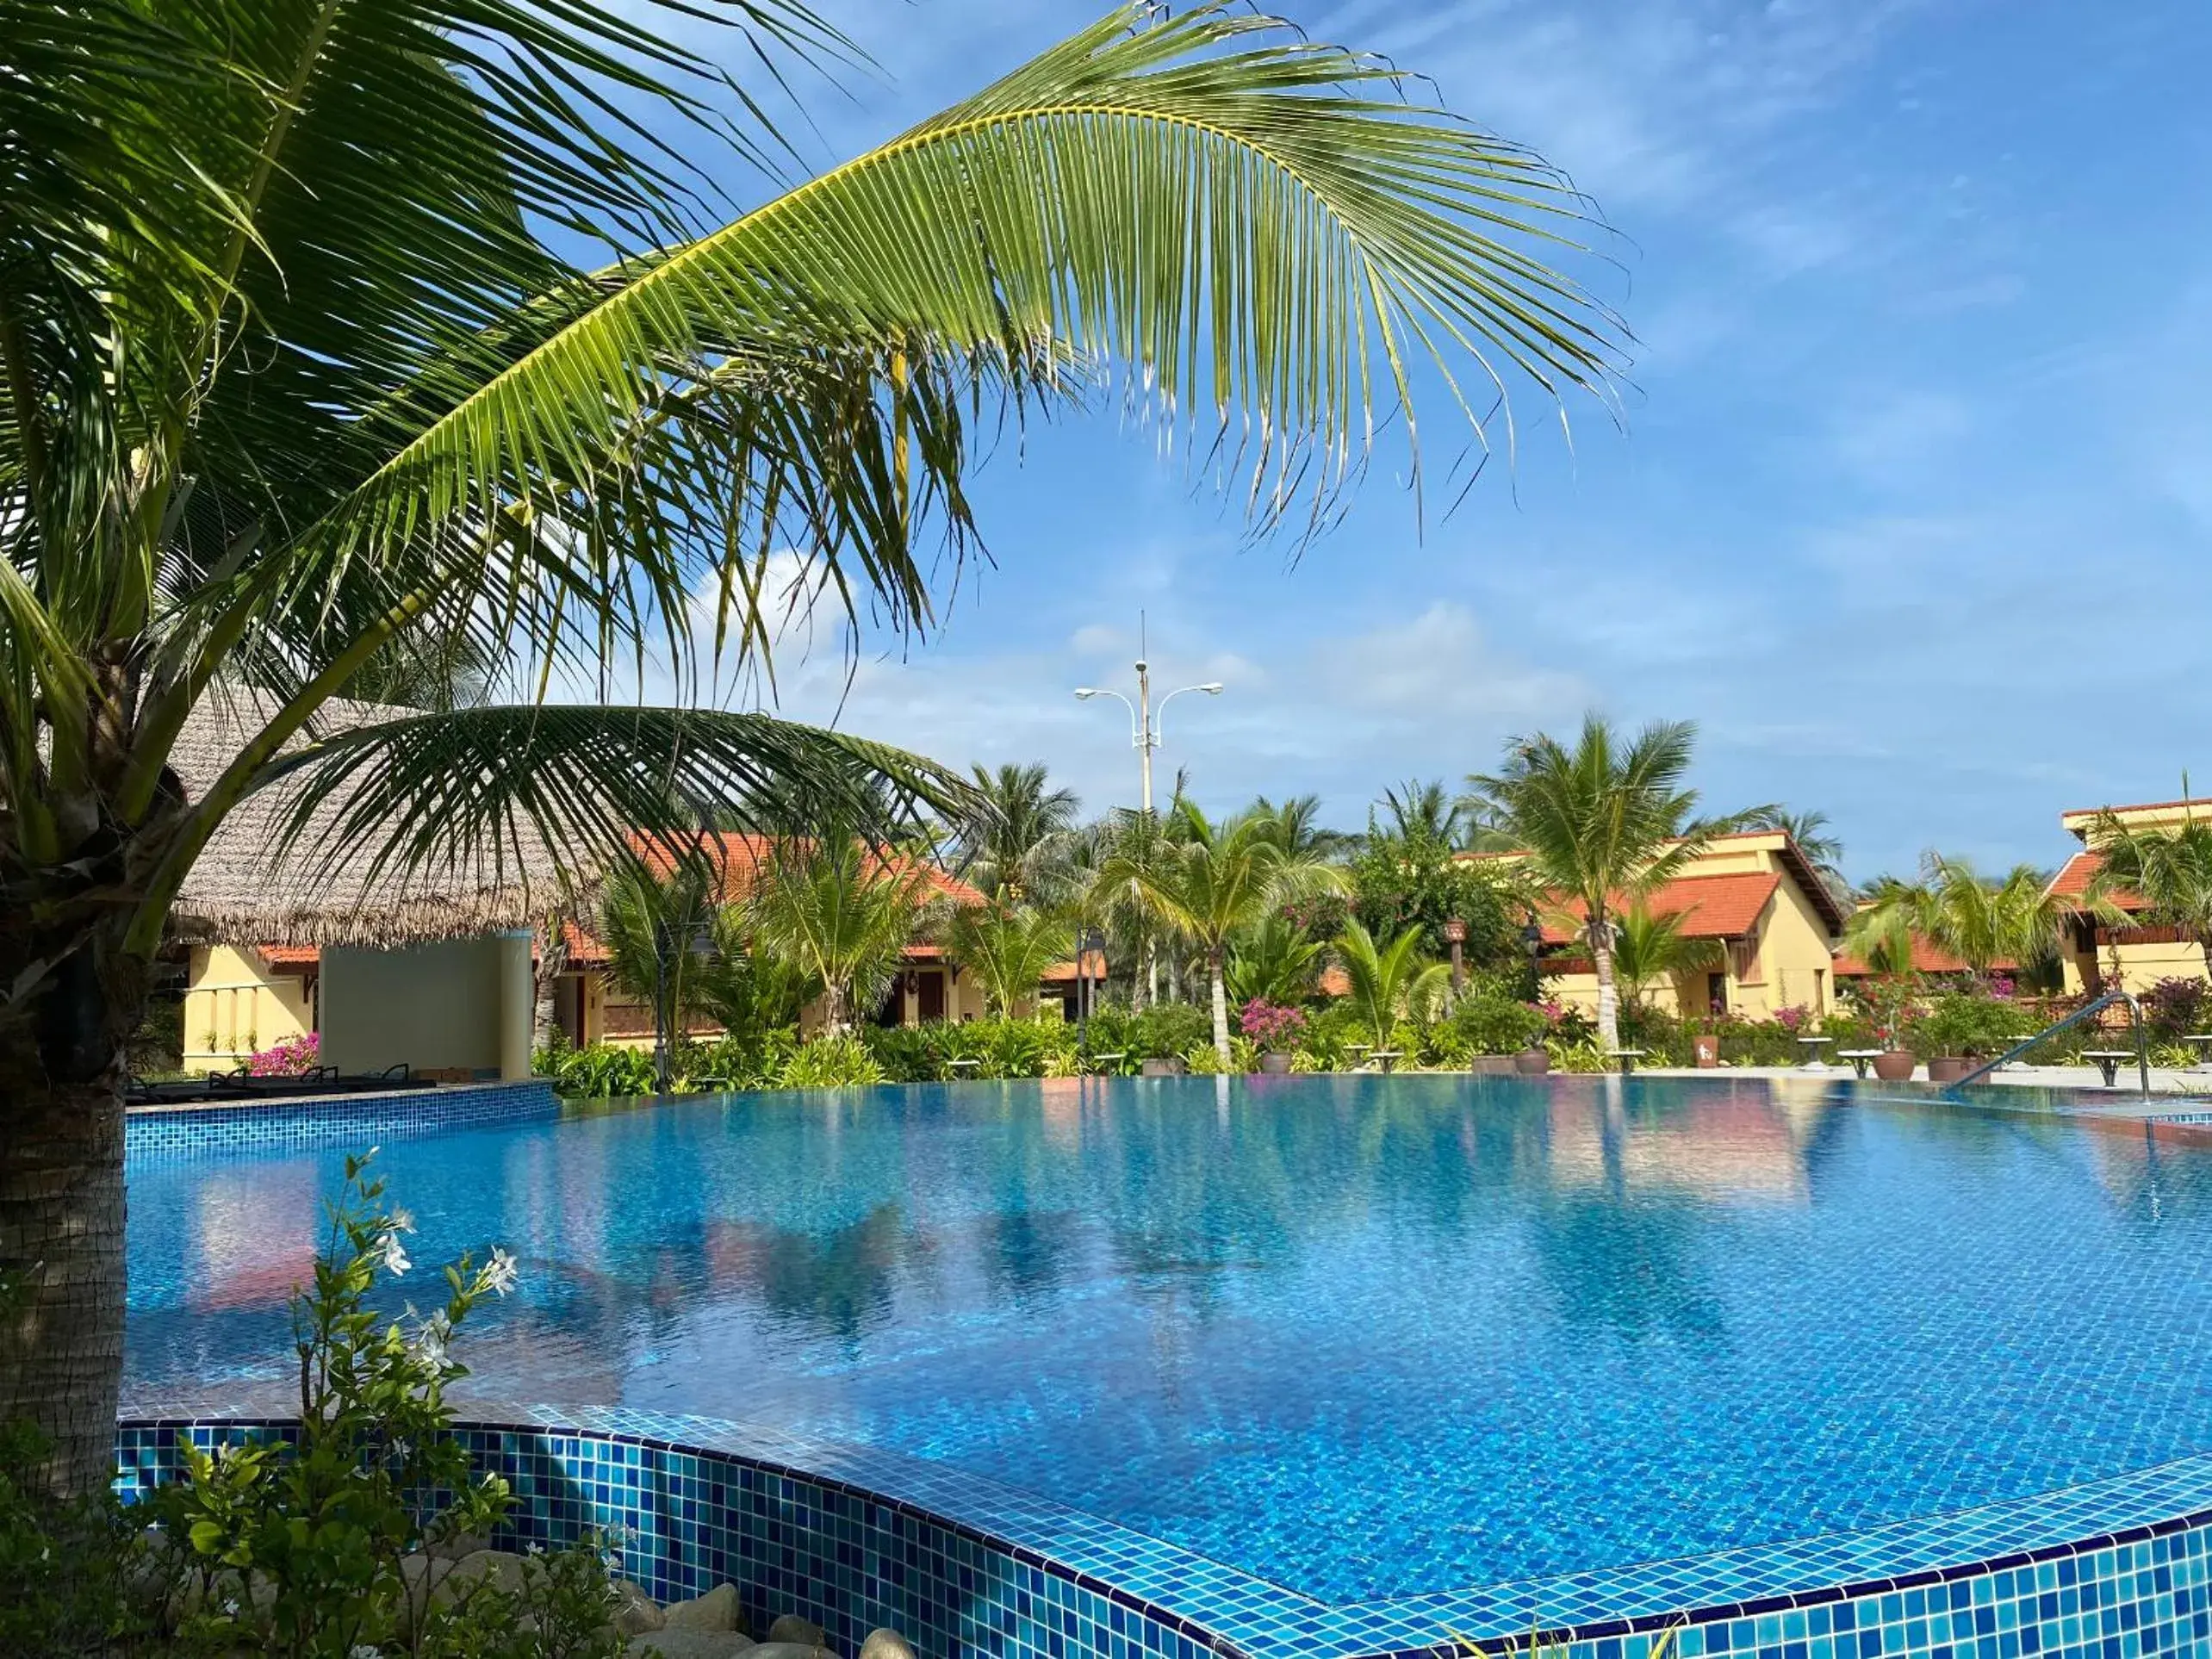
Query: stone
pixel 675 1643
pixel 803 1632
pixel 634 1613
pixel 886 1644
pixel 718 1609
pixel 461 1544
pixel 789 1650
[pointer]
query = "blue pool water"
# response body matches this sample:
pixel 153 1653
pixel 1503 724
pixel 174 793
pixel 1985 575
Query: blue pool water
pixel 1364 1337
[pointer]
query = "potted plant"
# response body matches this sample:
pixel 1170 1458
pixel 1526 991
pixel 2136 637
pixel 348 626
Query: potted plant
pixel 1532 1061
pixel 1275 1027
pixel 1497 1028
pixel 1890 999
pixel 1962 1028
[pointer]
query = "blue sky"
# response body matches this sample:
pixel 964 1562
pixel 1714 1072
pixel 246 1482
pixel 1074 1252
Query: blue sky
pixel 1911 510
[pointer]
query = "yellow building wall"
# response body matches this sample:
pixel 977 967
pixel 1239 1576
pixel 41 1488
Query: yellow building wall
pixel 1794 965
pixel 435 1007
pixel 2139 966
pixel 235 1004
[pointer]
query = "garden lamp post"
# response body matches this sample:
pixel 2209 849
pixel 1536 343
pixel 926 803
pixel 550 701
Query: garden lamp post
pixel 1532 938
pixel 1455 934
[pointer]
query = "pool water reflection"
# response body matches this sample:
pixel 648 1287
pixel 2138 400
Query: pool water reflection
pixel 1363 1336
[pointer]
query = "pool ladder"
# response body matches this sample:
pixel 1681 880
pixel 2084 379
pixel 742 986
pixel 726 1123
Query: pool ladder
pixel 2135 1016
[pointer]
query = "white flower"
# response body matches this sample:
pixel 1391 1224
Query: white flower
pixel 364 1650
pixel 403 1221
pixel 429 1344
pixel 395 1256
pixel 500 1272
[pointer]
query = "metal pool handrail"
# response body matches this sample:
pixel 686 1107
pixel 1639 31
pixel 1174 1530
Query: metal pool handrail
pixel 2135 1015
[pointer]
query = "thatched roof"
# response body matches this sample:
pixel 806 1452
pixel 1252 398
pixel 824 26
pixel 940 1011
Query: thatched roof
pixel 244 890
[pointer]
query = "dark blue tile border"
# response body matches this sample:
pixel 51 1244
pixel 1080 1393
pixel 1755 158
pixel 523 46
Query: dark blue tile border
pixel 855 1537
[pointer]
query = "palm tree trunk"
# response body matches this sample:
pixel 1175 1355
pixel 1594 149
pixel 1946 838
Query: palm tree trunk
pixel 552 961
pixel 1601 954
pixel 61 1200
pixel 1220 1008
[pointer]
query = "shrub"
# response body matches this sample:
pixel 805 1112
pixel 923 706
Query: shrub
pixel 602 1072
pixel 2175 1008
pixel 841 1061
pixel 1968 1023
pixel 1491 1021
pixel 1168 1030
pixel 1271 1025
pixel 292 1058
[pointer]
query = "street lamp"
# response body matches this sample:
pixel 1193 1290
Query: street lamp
pixel 1144 722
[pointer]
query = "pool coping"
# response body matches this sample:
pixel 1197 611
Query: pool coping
pixel 1232 1609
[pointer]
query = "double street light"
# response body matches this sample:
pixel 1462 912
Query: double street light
pixel 1144 722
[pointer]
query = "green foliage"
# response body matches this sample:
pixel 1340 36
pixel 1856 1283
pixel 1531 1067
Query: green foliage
pixel 1389 981
pixel 297 1545
pixel 1008 948
pixel 1399 883
pixel 830 905
pixel 1019 841
pixel 1273 961
pixel 1969 1023
pixel 602 1072
pixel 65 1583
pixel 1651 950
pixel 834 1060
pixel 1984 921
pixel 1490 1020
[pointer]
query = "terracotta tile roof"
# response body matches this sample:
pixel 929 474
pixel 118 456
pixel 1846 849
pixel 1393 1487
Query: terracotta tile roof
pixel 1926 959
pixel 2073 878
pixel 738 859
pixel 1094 967
pixel 1335 982
pixel 290 956
pixel 1713 907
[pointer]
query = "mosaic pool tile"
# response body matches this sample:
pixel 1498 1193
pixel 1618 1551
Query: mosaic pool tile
pixel 174 1132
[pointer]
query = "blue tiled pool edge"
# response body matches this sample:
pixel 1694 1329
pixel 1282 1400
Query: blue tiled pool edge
pixel 964 1566
pixel 333 1120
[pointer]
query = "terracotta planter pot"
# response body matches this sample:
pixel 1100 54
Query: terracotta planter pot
pixel 1495 1066
pixel 1707 1050
pixel 1895 1066
pixel 1531 1062
pixel 1274 1064
pixel 1950 1068
pixel 1169 1067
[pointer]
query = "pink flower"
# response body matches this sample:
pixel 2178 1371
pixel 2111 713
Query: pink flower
pixel 294 1057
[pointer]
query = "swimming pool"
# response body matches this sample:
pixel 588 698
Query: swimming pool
pixel 1365 1338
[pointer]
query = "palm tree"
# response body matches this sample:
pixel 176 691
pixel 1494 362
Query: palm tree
pixel 1390 981
pixel 288 374
pixel 1213 882
pixel 1982 921
pixel 1274 961
pixel 1298 830
pixel 1007 949
pixel 667 932
pixel 834 907
pixel 1651 949
pixel 1822 846
pixel 1603 825
pixel 2169 868
pixel 1020 838
pixel 1424 814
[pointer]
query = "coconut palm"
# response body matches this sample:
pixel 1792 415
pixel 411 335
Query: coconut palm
pixel 289 371
pixel 1008 948
pixel 1983 921
pixel 1390 981
pixel 1298 828
pixel 1815 838
pixel 1651 949
pixel 1602 824
pixel 667 933
pixel 2168 867
pixel 833 907
pixel 1212 882
pixel 1019 840
pixel 1424 814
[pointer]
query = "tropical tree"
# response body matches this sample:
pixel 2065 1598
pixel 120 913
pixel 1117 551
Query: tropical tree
pixel 1981 920
pixel 1390 981
pixel 667 933
pixel 1274 960
pixel 1019 840
pixel 1423 813
pixel 832 906
pixel 1651 949
pixel 1214 882
pixel 1602 824
pixel 2169 867
pixel 1815 837
pixel 1007 949
pixel 289 371
pixel 1298 828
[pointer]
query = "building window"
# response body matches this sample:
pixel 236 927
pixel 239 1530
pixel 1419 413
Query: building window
pixel 1716 993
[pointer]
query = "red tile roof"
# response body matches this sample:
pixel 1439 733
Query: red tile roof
pixel 1094 967
pixel 2073 878
pixel 1926 959
pixel 1713 907
pixel 290 956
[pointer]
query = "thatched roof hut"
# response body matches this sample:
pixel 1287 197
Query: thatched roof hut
pixel 246 889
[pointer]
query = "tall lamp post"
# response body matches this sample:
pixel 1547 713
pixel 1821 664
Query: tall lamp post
pixel 1144 722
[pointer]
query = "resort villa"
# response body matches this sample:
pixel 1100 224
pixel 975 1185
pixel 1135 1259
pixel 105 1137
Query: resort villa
pixel 1771 922
pixel 2125 957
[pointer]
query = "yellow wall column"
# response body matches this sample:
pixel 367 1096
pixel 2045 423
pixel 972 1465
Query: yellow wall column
pixel 517 1005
